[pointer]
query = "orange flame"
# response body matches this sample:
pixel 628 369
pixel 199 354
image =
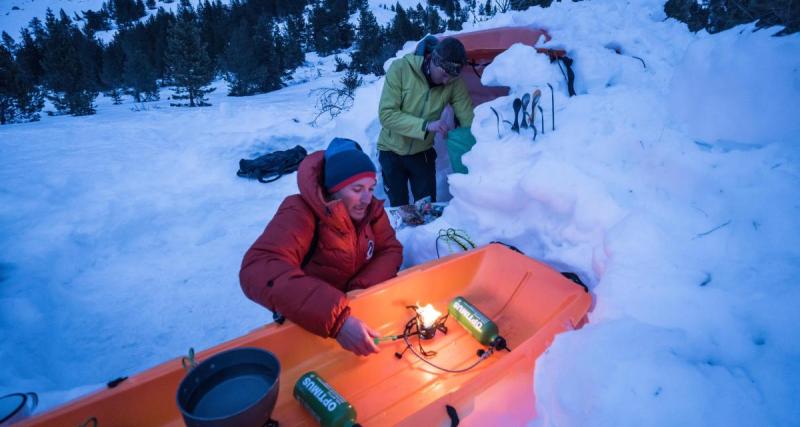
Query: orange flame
pixel 428 314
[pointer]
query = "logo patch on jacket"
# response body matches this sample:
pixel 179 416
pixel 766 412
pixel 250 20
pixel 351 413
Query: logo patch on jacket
pixel 370 249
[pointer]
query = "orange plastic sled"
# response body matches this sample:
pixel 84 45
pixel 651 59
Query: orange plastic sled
pixel 484 45
pixel 529 301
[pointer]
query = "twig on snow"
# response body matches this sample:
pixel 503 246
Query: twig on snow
pixel 712 230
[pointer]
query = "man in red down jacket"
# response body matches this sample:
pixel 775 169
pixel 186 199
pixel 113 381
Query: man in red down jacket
pixel 304 277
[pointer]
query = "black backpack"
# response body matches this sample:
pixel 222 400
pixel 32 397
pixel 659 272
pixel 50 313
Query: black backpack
pixel 271 166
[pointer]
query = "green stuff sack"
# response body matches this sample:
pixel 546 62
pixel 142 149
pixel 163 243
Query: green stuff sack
pixel 459 142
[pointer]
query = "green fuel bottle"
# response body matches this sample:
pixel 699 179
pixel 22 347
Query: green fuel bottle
pixel 323 402
pixel 476 323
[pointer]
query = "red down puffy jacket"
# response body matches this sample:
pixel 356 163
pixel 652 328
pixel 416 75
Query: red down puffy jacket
pixel 347 256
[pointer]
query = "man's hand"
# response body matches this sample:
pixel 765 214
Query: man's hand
pixel 357 337
pixel 438 126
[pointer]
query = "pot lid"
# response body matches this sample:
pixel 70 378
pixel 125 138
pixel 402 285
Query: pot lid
pixel 10 404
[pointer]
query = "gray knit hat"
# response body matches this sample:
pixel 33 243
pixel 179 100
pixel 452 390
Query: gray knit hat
pixel 450 54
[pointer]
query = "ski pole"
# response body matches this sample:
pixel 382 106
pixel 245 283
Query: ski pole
pixel 541 114
pixel 497 116
pixel 552 109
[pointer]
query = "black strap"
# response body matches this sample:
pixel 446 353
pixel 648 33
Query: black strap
pixel 512 247
pixel 453 414
pixel 313 246
pixel 274 178
pixel 570 74
pixel 115 382
pixel 474 65
pixel 285 168
pixel 575 279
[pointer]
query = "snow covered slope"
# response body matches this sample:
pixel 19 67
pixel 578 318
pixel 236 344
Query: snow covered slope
pixel 670 184
pixel 15 14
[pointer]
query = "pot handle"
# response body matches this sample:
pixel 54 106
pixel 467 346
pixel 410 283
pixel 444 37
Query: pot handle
pixel 91 422
pixel 34 398
pixel 188 362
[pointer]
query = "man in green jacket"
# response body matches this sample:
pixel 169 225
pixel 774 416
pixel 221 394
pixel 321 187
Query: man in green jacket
pixel 417 88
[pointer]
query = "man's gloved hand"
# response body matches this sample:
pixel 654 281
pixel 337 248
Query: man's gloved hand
pixel 357 337
pixel 438 126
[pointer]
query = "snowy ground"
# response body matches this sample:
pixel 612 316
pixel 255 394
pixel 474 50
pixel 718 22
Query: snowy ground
pixel 670 184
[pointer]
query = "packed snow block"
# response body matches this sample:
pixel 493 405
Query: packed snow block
pixel 521 68
pixel 459 142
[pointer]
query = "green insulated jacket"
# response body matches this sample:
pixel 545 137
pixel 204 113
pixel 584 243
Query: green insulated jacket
pixel 408 103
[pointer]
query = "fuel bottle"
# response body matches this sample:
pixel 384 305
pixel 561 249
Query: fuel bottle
pixel 323 402
pixel 480 326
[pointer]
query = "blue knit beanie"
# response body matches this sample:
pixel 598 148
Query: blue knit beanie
pixel 345 163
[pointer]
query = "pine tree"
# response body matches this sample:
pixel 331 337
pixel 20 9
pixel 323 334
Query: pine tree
pixel 253 59
pixel 9 43
pixel 369 40
pixel 294 54
pixel 724 14
pixel 525 4
pixel 151 4
pixel 689 12
pixel 111 72
pixel 271 43
pixel 29 53
pixel 140 11
pixel 157 29
pixel 456 20
pixel 403 29
pixel 720 15
pixel 240 61
pixel 488 10
pixel 140 77
pixel 433 22
pixel 214 28
pixel 70 66
pixel 189 66
pixel 95 21
pixel 290 7
pixel 125 12
pixel 354 6
pixel 8 77
pixel 330 26
pixel 138 72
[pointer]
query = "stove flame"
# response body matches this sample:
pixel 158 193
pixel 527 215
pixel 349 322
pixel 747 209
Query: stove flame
pixel 428 314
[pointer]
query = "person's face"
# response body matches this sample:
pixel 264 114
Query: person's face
pixel 439 76
pixel 356 197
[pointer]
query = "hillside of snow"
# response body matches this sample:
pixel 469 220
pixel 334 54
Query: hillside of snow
pixel 670 184
pixel 16 14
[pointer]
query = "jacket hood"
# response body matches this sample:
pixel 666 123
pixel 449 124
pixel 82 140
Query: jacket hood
pixel 310 182
pixel 415 62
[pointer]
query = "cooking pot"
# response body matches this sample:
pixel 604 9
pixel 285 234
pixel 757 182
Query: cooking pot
pixel 15 407
pixel 236 387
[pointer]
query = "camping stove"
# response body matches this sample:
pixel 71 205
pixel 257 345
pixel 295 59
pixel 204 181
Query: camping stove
pixel 428 321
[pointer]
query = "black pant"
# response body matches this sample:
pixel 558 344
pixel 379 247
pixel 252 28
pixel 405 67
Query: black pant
pixel 398 171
